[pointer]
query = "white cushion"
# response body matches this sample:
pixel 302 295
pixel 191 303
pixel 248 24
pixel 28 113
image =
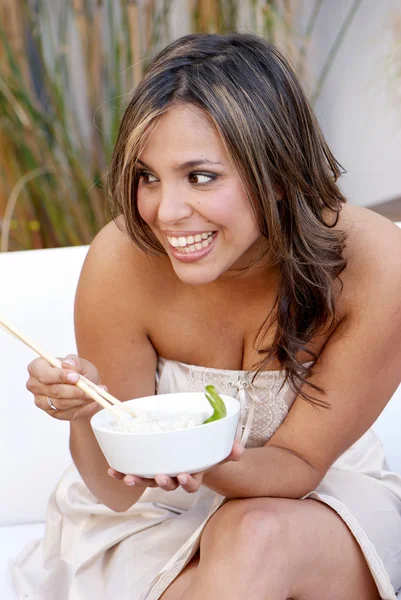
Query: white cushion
pixel 13 539
pixel 37 297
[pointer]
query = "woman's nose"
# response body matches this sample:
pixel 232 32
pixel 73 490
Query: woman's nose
pixel 174 206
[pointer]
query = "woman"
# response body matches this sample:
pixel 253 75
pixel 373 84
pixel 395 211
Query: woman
pixel 233 260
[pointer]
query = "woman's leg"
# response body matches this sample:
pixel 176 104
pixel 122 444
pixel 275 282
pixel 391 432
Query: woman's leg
pixel 181 583
pixel 275 549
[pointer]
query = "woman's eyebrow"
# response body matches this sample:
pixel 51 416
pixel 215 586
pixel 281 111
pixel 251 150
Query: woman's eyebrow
pixel 189 164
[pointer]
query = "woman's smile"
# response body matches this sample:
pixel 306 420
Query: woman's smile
pixel 193 247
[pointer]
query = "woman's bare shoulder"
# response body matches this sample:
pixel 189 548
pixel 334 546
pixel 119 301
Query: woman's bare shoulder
pixel 370 236
pixel 118 281
pixel 372 250
pixel 113 248
pixel 116 261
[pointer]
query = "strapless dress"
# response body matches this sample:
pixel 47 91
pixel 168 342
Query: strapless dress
pixel 91 552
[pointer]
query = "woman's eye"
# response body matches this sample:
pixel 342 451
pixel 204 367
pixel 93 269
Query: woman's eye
pixel 147 177
pixel 201 178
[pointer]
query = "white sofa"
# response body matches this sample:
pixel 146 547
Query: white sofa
pixel 37 297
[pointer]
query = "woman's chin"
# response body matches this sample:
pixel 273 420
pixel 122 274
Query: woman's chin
pixel 191 278
pixel 196 274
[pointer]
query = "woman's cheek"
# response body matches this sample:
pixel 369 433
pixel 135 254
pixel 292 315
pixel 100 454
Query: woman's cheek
pixel 146 208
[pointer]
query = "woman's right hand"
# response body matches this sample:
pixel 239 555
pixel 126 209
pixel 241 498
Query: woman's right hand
pixel 46 382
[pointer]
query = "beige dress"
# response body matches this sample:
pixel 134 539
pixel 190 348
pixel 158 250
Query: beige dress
pixel 91 552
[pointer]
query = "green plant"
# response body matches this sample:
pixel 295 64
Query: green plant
pixel 57 139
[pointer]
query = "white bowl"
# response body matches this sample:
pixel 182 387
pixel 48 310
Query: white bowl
pixel 147 454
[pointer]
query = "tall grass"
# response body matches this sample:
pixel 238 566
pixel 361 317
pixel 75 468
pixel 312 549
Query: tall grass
pixel 64 83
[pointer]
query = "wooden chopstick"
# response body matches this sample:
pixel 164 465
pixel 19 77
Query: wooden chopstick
pixel 88 387
pixel 105 394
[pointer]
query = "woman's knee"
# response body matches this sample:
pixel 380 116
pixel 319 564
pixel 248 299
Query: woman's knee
pixel 251 524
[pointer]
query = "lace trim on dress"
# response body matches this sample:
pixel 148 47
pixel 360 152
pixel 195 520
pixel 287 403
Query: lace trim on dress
pixel 264 400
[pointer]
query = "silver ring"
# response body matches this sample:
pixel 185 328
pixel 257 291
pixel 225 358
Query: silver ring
pixel 50 403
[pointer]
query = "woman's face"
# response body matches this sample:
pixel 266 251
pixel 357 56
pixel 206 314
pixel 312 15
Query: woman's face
pixel 193 199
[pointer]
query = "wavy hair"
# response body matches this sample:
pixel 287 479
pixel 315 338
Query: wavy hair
pixel 251 95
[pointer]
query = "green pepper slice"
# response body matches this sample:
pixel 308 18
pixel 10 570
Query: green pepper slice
pixel 217 404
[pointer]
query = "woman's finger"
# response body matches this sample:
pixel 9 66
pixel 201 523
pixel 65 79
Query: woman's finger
pixel 61 415
pixel 133 480
pixel 115 474
pixel 42 373
pixel 168 484
pixel 42 370
pixel 190 483
pixel 81 366
pixel 61 403
pixel 74 409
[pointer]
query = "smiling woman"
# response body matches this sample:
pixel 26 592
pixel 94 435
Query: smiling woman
pixel 233 261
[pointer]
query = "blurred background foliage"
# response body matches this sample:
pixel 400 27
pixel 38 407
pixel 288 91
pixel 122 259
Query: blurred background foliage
pixel 66 72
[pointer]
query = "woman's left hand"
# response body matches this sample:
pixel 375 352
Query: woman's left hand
pixel 189 483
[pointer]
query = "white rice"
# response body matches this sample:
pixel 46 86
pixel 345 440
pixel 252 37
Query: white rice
pixel 151 421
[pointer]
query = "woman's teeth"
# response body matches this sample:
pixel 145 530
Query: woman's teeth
pixel 192 242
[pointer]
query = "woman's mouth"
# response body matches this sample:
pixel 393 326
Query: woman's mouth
pixel 191 247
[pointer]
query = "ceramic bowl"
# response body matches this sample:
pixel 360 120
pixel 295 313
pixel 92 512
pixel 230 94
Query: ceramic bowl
pixel 147 454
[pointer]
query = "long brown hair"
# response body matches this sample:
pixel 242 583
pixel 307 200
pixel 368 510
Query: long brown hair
pixel 251 95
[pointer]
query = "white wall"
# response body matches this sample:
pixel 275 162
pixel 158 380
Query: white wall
pixel 358 108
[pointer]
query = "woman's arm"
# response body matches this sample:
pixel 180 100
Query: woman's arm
pixel 111 333
pixel 359 367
